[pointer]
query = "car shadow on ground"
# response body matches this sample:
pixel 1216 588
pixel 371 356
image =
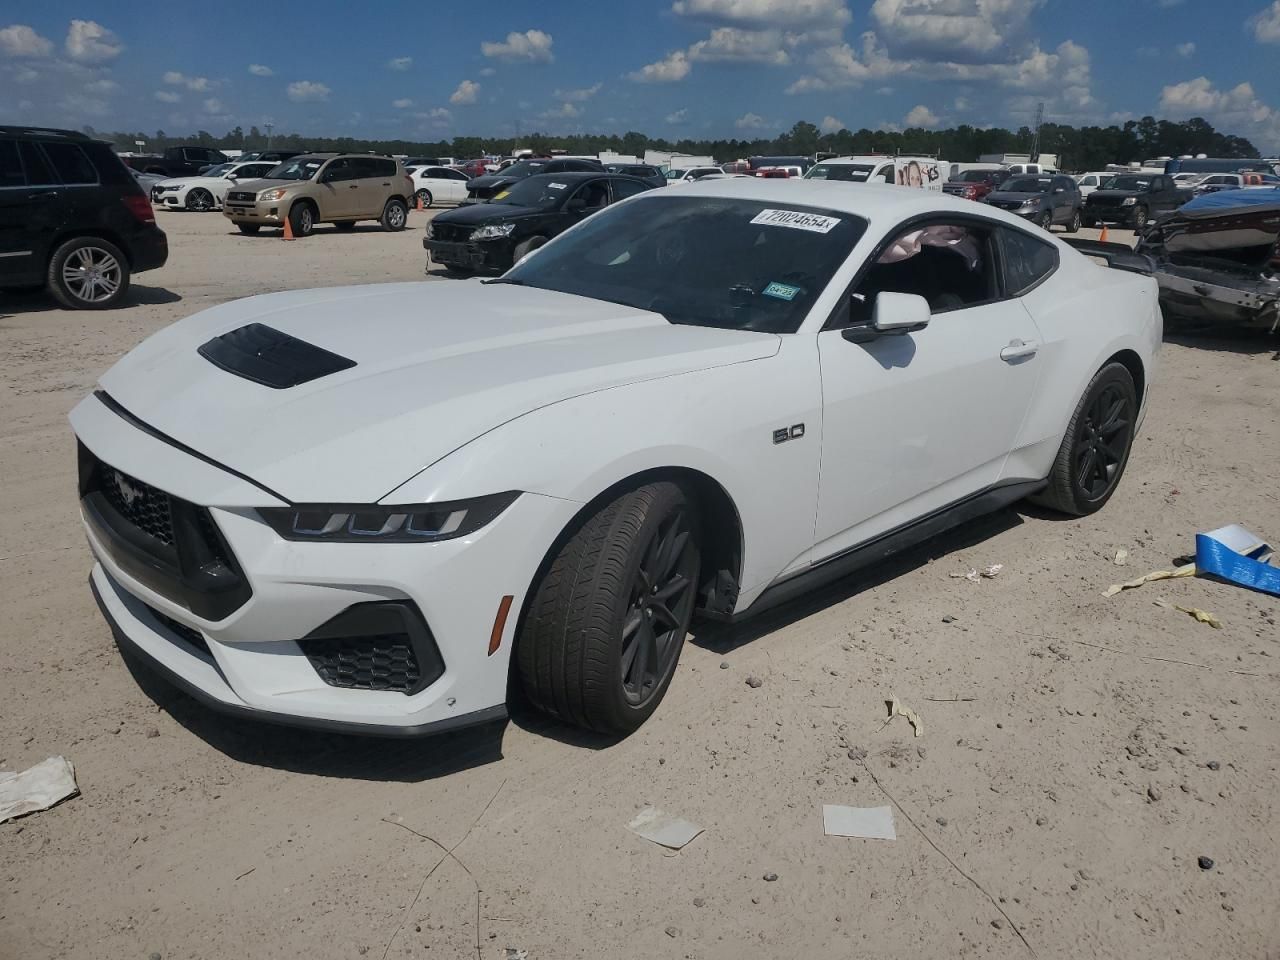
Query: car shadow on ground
pixel 321 231
pixel 345 756
pixel 1225 339
pixel 38 300
pixel 724 638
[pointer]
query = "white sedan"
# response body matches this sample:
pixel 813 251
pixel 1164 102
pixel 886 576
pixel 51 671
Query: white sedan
pixel 315 508
pixel 207 191
pixel 433 185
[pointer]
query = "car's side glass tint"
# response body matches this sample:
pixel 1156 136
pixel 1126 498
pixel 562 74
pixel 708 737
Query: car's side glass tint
pixel 39 173
pixel 11 174
pixel 70 162
pixel 950 265
pixel 1027 261
pixel 626 188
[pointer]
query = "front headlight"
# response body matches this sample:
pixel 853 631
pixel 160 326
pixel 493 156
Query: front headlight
pixel 1027 204
pixel 492 231
pixel 1128 201
pixel 275 194
pixel 431 230
pixel 374 523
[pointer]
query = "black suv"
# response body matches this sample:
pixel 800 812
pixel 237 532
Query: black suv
pixel 1133 199
pixel 496 234
pixel 73 218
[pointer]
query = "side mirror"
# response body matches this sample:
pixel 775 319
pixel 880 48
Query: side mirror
pixel 900 313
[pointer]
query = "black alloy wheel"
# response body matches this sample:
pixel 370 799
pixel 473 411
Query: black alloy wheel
pixel 1139 219
pixel 1045 220
pixel 1096 446
pixel 200 200
pixel 662 596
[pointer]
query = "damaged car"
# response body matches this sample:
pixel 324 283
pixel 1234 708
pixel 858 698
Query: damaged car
pixel 1216 259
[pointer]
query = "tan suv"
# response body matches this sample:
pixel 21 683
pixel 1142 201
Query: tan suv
pixel 337 188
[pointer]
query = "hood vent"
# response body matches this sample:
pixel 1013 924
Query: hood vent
pixel 272 358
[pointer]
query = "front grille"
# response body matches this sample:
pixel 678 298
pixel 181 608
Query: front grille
pixel 450 233
pixel 383 662
pixel 141 504
pixel 241 196
pixel 188 635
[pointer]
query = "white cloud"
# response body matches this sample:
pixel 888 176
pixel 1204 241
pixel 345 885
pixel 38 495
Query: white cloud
pixel 680 116
pixel 487 71
pixel 467 92
pixel 214 106
pixel 579 95
pixel 921 116
pixel 964 31
pixel 307 91
pixel 1237 111
pixel 670 69
pixel 195 84
pixel 962 103
pixel 103 86
pixel 261 70
pixel 766 13
pixel 533 46
pixel 751 121
pixel 404 103
pixel 167 96
pixel 841 66
pixel 91 42
pixel 1185 49
pixel 20 40
pixel 440 113
pixel 565 111
pixel 830 124
pixel 731 44
pixel 1266 24
pixel 25 75
pixel 400 63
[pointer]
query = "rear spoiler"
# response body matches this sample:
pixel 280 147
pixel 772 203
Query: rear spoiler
pixel 1118 256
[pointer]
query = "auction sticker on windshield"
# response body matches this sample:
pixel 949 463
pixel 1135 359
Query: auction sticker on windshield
pixel 813 222
pixel 555 186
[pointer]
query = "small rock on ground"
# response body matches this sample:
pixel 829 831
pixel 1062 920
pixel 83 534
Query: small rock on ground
pixel 754 682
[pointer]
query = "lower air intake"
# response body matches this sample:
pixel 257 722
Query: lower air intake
pixel 384 645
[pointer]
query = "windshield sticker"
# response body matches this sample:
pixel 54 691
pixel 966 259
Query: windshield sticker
pixel 555 186
pixel 781 291
pixel 796 220
pixel 499 196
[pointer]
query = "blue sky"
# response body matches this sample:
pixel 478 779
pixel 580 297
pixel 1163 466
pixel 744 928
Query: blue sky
pixel 674 68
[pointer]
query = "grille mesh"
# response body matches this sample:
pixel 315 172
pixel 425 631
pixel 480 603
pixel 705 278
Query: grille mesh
pixel 380 662
pixel 188 635
pixel 141 504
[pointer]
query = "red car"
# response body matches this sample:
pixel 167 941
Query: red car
pixel 975 184
pixel 474 168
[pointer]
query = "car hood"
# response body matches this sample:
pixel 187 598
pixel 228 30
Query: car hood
pixel 1105 194
pixel 435 366
pixel 1007 196
pixel 490 181
pixel 478 213
pixel 189 181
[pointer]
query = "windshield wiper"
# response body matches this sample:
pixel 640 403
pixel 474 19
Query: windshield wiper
pixel 511 280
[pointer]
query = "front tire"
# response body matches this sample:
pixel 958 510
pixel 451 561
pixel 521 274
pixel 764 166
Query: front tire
pixel 1139 220
pixel 394 216
pixel 1045 221
pixel 604 629
pixel 1096 446
pixel 88 273
pixel 200 200
pixel 302 218
pixel 1074 225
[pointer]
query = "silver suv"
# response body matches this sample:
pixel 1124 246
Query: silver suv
pixel 337 188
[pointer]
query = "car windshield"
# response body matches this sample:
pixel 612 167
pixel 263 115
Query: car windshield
pixel 1129 183
pixel 217 171
pixel 299 168
pixel 1027 185
pixel 675 173
pixel 543 191
pixel 706 261
pixel 853 172
pixel 525 168
pixel 971 176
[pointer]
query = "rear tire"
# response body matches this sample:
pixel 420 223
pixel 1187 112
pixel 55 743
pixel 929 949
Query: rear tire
pixel 603 631
pixel 1096 447
pixel 302 218
pixel 248 229
pixel 88 273
pixel 394 216
pixel 425 197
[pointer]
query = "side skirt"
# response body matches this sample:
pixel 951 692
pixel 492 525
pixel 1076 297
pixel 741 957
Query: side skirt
pixel 887 544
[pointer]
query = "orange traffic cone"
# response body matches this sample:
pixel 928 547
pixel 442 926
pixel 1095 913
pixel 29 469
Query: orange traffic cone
pixel 1102 237
pixel 420 206
pixel 288 228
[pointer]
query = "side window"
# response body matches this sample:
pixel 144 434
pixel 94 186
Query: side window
pixel 949 264
pixel 626 188
pixel 255 170
pixel 384 168
pixel 590 196
pixel 70 162
pixel 887 174
pixel 454 174
pixel 10 166
pixel 39 173
pixel 1027 261
pixel 338 170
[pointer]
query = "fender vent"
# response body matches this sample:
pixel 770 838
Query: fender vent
pixel 272 358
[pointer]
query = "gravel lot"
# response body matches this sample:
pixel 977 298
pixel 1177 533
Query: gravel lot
pixel 1061 793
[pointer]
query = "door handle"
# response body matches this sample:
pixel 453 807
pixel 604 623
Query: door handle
pixel 1019 349
pixel 354 186
pixel 43 197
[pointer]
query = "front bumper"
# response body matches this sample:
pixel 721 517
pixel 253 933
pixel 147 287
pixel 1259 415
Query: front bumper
pixel 254 660
pixel 474 255
pixel 261 212
pixel 1121 216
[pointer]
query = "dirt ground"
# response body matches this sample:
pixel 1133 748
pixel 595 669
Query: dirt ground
pixel 1078 753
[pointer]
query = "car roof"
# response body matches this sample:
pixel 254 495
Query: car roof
pixel 575 176
pixel 877 203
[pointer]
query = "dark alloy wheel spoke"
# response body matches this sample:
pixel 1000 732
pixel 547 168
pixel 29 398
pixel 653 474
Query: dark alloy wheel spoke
pixel 1102 442
pixel 661 599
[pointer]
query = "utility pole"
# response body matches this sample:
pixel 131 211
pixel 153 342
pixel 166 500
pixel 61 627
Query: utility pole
pixel 1035 133
pixel 271 126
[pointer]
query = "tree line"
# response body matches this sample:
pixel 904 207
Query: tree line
pixel 1077 148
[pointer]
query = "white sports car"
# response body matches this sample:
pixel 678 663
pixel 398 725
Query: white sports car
pixel 207 191
pixel 361 507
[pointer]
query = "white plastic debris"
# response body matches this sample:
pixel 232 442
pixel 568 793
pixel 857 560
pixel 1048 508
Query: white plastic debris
pixel 972 576
pixel 37 788
pixel 515 953
pixel 1121 558
pixel 896 709
pixel 992 571
pixel 866 823
pixel 663 829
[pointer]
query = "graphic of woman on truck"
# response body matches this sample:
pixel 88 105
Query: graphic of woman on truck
pixel 911 175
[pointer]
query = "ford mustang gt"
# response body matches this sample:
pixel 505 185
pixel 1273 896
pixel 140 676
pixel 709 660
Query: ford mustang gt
pixel 368 508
